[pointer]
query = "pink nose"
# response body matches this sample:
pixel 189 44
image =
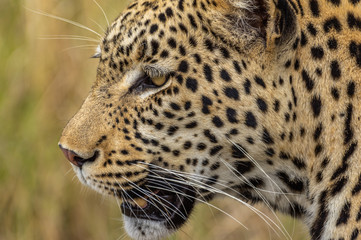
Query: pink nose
pixel 76 159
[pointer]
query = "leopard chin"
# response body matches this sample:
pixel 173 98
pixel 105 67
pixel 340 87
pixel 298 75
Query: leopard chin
pixel 143 229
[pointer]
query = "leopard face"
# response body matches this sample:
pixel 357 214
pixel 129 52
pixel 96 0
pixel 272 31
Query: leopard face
pixel 252 100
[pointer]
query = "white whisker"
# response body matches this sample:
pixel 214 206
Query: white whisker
pixel 261 169
pixel 244 179
pixel 150 195
pixel 81 46
pixel 96 23
pixel 64 20
pixel 105 16
pixel 222 211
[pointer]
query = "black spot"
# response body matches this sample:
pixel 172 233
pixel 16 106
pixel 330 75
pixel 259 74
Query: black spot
pixel 287 117
pixel 247 86
pixel 192 42
pixel 187 105
pixel 153 28
pixel 237 67
pixel 165 148
pixel 201 146
pixel 169 12
pixel 358 217
pixel 338 186
pixel 318 225
pixel 172 43
pixel 270 152
pixel 250 140
pixel 276 105
pixel 308 81
pixel 183 66
pixel 243 167
pixel 182 50
pixel 224 52
pixel 208 73
pixel 250 120
pixel 355 52
pixel 164 54
pixel 260 81
pixel 192 84
pixel 205 162
pixel 295 184
pixel 332 23
pixel 206 103
pixel 311 29
pixel 296 65
pixel 344 215
pixel 215 166
pixel 284 156
pixel 354 234
pixel 212 138
pixel 332 44
pixel 262 105
pixel 209 45
pixel 344 166
pixel 288 64
pixel 168 114
pixel 354 2
pixel 299 163
pixel 266 137
pixel 295 44
pixel 335 70
pixel 316 105
pixel 159 126
pixel 317 52
pixel 213 151
pixel 238 151
pixel 335 93
pixel 318 149
pixel 231 115
pixel 181 5
pixel 155 47
pixel 353 22
pixel 217 122
pixel 318 131
pixel 231 93
pixel 351 89
pixel 314 8
pixel 192 21
pixel 303 39
pixel 197 58
pixel 348 132
pixel 225 75
pixel 335 2
pixel 162 17
pixel 357 187
pixel 191 124
pixel 172 130
pixel 187 145
pixel 175 106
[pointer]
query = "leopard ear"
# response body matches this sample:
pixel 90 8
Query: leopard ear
pixel 273 21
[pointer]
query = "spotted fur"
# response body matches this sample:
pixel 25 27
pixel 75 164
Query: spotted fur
pixel 266 91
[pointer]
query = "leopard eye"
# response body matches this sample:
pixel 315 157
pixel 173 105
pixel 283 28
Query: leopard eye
pixel 147 82
pixel 158 81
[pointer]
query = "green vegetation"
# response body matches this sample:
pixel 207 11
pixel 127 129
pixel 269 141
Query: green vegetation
pixel 42 83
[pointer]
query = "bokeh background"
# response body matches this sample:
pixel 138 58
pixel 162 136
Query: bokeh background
pixel 43 82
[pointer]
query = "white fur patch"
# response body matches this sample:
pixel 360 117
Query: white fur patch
pixel 141 229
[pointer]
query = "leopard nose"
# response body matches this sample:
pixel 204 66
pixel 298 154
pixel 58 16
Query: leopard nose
pixel 76 159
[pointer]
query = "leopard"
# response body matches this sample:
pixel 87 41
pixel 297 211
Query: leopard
pixel 255 100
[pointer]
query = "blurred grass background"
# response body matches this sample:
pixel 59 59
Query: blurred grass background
pixel 42 84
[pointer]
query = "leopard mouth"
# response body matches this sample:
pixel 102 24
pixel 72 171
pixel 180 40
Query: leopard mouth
pixel 169 203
